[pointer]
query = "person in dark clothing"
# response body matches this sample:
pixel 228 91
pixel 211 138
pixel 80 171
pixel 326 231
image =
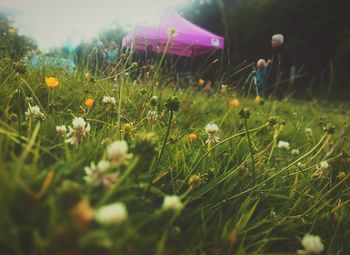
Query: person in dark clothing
pixel 281 74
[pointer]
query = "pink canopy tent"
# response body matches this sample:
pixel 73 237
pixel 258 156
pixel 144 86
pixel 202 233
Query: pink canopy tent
pixel 189 40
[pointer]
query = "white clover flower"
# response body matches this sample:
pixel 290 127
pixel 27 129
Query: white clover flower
pixel 300 165
pixel 320 172
pixel 61 130
pixel 117 152
pixel 308 131
pixel 79 130
pixel 294 152
pixel 324 164
pixel 29 100
pixel 312 245
pixel 109 100
pixel 79 123
pixel 112 214
pixel 152 116
pixel 34 112
pixel 223 89
pixel 103 165
pixel 96 174
pixel 172 203
pixel 105 141
pixel 212 129
pixel 283 145
pixel 87 76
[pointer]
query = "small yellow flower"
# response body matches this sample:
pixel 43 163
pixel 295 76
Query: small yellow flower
pixel 89 77
pixel 234 102
pixel 195 180
pixel 341 175
pixel 82 214
pixel 11 30
pixel 172 32
pixel 128 127
pixel 257 99
pixel 192 137
pixel 201 81
pixel 51 82
pixel 89 102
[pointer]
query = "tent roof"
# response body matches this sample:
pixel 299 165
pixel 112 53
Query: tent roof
pixel 190 39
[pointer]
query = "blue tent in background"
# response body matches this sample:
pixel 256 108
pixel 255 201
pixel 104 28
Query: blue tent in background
pixel 51 61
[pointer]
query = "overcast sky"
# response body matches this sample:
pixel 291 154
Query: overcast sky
pixel 53 22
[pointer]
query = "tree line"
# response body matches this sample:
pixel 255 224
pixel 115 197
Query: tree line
pixel 317 32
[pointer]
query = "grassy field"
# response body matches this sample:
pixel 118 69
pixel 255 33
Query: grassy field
pixel 260 179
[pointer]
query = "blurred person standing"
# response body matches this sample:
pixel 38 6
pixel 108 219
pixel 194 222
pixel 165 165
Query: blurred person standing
pixel 282 69
pixel 262 70
pixel 112 57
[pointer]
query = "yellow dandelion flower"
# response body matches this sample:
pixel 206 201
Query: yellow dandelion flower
pixel 257 99
pixel 195 180
pixel 11 30
pixel 51 82
pixel 192 137
pixel 82 214
pixel 341 175
pixel 128 127
pixel 234 102
pixel 201 81
pixel 89 102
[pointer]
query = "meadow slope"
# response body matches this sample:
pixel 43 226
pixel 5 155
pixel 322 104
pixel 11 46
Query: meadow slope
pixel 271 172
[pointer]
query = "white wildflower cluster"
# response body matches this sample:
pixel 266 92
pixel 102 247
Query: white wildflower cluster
pixel 61 130
pixel 212 129
pixel 324 165
pixel 300 165
pixel 105 141
pixel 79 130
pixel 112 214
pixel 312 245
pixel 152 116
pixel 87 76
pixel 283 145
pixel 295 152
pixel 321 170
pixel 309 134
pixel 117 154
pixel 308 131
pixel 34 112
pixel 109 100
pixel 172 203
pixel 29 100
pixel 97 175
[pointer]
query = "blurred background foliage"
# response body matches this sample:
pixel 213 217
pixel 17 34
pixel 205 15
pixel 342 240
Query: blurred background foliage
pixel 12 44
pixel 317 32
